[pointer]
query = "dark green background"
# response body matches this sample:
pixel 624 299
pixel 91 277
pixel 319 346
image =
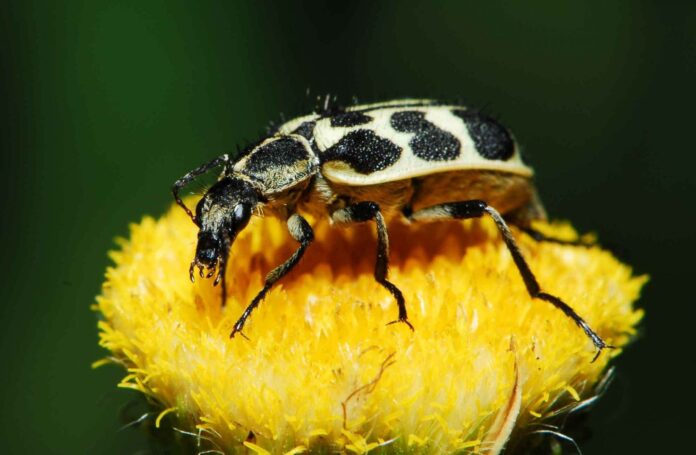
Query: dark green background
pixel 104 104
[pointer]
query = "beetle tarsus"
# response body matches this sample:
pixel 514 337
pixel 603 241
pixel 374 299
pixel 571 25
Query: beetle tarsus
pixel 238 330
pixel 600 347
pixel 405 321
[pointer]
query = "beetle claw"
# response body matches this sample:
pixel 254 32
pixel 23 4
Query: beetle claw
pixel 192 275
pixel 403 320
pixel 205 271
pixel 218 277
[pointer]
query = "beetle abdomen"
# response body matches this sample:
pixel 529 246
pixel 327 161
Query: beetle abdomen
pixel 506 192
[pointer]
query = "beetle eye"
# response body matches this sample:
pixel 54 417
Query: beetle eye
pixel 241 214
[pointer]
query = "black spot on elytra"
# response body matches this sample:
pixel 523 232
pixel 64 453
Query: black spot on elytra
pixel 364 151
pixel 492 140
pixel 282 152
pixel 306 130
pixel 430 142
pixel 350 119
pixel 279 164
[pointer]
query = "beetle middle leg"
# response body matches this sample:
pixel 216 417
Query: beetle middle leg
pixel 476 209
pixel 301 231
pixel 366 211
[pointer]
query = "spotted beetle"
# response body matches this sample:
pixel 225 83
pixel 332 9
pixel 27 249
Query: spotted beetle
pixel 418 159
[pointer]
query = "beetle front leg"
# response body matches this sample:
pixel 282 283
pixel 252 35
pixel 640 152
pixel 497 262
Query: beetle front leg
pixel 366 211
pixel 301 231
pixel 476 209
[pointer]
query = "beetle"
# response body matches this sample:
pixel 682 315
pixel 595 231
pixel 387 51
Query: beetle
pixel 421 160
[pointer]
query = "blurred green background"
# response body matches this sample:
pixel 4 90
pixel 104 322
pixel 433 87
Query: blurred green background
pixel 105 104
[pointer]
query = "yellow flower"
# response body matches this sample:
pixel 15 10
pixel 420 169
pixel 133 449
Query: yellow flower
pixel 321 368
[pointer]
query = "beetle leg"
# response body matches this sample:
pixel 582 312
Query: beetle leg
pixel 301 231
pixel 188 178
pixel 222 268
pixel 541 237
pixel 365 211
pixel 220 278
pixel 476 209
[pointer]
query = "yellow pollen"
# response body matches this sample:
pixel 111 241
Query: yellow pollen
pixel 323 370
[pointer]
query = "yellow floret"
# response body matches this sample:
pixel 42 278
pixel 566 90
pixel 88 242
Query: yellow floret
pixel 321 368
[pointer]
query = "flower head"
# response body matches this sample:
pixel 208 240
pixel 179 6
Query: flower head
pixel 322 369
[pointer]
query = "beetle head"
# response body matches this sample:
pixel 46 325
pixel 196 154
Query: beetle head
pixel 221 214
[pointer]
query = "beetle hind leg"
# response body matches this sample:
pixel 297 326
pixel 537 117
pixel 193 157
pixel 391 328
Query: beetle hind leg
pixel 541 237
pixel 523 217
pixel 476 209
pixel 366 211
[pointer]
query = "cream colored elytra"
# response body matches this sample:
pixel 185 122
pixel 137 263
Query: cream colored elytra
pixel 408 165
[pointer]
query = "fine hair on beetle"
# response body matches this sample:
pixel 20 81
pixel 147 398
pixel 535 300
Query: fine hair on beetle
pixel 418 160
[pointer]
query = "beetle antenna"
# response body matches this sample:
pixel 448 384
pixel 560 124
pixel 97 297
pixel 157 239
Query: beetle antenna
pixel 188 178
